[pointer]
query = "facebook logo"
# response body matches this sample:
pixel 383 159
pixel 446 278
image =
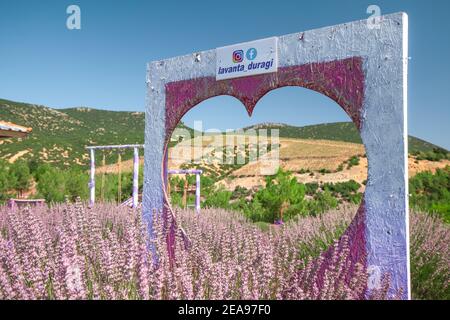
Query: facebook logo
pixel 251 54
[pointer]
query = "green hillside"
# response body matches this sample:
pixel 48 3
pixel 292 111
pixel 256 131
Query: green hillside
pixel 60 135
pixel 339 131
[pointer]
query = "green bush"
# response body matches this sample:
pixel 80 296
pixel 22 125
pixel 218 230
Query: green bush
pixel 282 194
pixel 347 191
pixel 431 192
pixel 218 199
pixel 51 183
pixel 437 154
pixel 323 201
pixel 281 190
pixel 253 210
pixel 353 161
pixel 14 179
pixel 20 176
pixel 311 188
pixel 5 181
pixel 240 193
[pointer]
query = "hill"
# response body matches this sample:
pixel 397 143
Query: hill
pixel 309 160
pixel 59 136
pixel 339 131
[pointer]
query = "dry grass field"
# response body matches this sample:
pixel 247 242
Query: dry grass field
pixel 294 154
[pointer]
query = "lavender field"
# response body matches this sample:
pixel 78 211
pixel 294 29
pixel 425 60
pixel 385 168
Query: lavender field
pixel 74 252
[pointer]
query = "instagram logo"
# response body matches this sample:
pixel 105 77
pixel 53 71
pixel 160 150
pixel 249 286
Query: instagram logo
pixel 238 56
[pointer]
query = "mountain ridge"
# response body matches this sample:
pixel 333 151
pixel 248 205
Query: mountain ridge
pixel 337 131
pixel 60 136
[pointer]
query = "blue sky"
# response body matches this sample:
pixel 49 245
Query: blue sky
pixel 103 64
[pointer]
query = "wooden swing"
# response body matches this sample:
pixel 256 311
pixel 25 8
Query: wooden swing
pixel 134 200
pixel 185 190
pixel 119 175
pixel 102 189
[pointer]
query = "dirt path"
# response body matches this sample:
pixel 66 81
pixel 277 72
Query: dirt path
pixel 18 155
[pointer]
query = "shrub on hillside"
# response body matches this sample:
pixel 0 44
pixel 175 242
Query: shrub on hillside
pixel 437 154
pixel 353 161
pixel 431 192
pixel 347 191
pixel 220 198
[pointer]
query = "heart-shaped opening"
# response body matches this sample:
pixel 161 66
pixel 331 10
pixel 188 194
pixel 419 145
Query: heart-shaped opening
pixel 320 154
pixel 319 146
pixel 340 80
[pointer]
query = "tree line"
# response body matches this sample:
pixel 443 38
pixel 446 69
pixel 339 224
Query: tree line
pixel 56 185
pixel 282 198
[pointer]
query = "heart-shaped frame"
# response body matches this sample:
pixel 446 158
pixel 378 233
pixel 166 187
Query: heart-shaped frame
pixel 363 69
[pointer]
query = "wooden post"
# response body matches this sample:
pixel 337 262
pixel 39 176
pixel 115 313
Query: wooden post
pixel 185 193
pixel 102 190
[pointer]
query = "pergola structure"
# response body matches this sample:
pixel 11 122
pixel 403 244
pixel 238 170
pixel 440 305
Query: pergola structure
pixel 135 147
pixel 134 200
